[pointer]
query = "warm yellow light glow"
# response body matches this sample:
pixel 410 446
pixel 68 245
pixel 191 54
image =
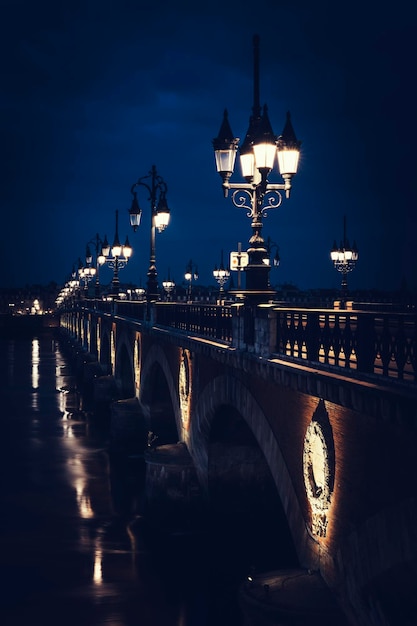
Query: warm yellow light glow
pixel 264 155
pixel 35 363
pixel 112 348
pixel 184 384
pixel 162 220
pixel 98 338
pixel 127 252
pixel 317 476
pixel 288 161
pixel 247 164
pixel 136 362
pixel 98 567
pixel 83 498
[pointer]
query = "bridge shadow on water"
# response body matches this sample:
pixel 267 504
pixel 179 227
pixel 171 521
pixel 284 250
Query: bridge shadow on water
pixel 76 544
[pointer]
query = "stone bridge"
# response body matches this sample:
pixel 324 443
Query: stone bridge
pixel 310 411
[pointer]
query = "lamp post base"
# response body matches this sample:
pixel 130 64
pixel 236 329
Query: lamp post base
pixel 152 293
pixel 257 296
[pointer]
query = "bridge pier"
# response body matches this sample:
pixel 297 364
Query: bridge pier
pixel 172 492
pixel 105 391
pixel 290 596
pixel 129 424
pixel 330 400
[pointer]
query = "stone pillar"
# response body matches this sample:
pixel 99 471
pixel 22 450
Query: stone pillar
pixel 129 421
pixel 172 493
pixel 105 392
pixel 265 330
pixel 237 326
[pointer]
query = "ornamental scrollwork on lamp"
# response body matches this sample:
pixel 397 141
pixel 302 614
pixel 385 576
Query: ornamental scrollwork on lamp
pixel 273 200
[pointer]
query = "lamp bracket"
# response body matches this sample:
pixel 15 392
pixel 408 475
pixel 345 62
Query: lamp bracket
pixel 157 186
pixel 248 197
pixel 111 262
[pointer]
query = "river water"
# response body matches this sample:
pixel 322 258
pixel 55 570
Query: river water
pixel 75 548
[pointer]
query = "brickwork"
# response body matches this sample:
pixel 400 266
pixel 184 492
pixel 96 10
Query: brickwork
pixel 371 518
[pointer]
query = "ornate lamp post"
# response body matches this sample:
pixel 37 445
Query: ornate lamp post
pixel 100 260
pixel 257 195
pixel 344 260
pixel 86 274
pixel 169 286
pixel 191 273
pixel 74 282
pixel 116 256
pixel 221 274
pixel 160 216
pixel 71 285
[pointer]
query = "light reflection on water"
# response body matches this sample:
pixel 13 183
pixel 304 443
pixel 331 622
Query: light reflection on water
pixel 35 373
pixel 74 533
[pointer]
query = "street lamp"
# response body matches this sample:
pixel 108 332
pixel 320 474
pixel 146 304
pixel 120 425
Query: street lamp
pixel 169 286
pixel 100 260
pixel 221 274
pixel 257 195
pixel 344 260
pixel 160 215
pixel 71 286
pixel 191 273
pixel 87 273
pixel 116 256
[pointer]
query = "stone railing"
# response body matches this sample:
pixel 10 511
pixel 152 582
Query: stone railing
pixel 209 320
pixel 371 342
pixel 366 341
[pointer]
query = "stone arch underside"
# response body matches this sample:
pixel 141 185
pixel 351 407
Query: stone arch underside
pixel 158 392
pixel 104 357
pixel 124 372
pixel 227 390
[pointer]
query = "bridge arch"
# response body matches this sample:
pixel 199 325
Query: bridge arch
pixel 124 367
pixel 104 351
pixel 159 391
pixel 228 390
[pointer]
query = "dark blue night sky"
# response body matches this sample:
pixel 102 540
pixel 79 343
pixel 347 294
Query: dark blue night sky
pixel 95 92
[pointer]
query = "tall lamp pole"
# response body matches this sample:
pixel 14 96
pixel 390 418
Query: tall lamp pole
pixel 160 216
pixel 168 286
pixel 257 195
pixel 116 256
pixel 222 275
pixel 344 260
pixel 191 273
pixel 100 259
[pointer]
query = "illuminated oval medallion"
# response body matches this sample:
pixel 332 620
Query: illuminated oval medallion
pixel 184 388
pixel 318 468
